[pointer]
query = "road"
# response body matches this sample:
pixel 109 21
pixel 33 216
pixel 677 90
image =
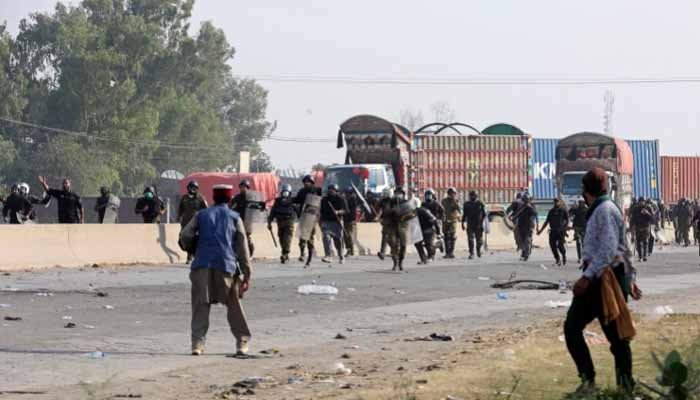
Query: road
pixel 142 324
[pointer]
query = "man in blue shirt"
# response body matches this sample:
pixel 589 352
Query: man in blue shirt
pixel 221 270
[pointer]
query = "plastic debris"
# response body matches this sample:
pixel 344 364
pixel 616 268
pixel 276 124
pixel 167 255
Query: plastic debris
pixel 13 318
pixel 295 379
pixel 317 289
pixel 544 267
pixel 563 287
pixel 433 337
pixel 95 355
pixel 5 306
pixel 663 310
pixel 397 291
pixel 108 307
pixel 484 278
pixel 593 338
pixel 340 336
pixel 558 304
pixel 351 289
pixel 44 294
pixel 340 369
pixel 88 326
pixel 502 296
pixel 67 318
pixel 69 325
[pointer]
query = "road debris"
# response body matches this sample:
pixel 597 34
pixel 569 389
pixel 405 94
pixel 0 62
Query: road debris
pixel 127 396
pixel 317 289
pixel 5 305
pixel 345 356
pixel 88 326
pixel 67 318
pixel 663 310
pixel 558 304
pixel 531 284
pixel 95 355
pixel 69 325
pixel 340 369
pixel 340 336
pixel 108 307
pixel 433 337
pixel 44 294
pixel 292 380
pixel 8 318
pixel 484 278
pixel 502 296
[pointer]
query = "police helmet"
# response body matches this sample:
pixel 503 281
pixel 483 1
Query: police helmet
pixel 308 178
pixel 526 197
pixel 149 189
pixel 387 192
pixel 332 186
pixel 14 188
pixel 429 192
pixel 473 193
pixel 23 188
pixel 641 199
pixel 286 188
pixel 349 190
pixel 244 183
pixel 193 184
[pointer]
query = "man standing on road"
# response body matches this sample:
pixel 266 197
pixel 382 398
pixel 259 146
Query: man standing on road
pixel 403 210
pixel 431 204
pixel 605 253
pixel 558 221
pixel 221 270
pixel 429 227
pixel 578 215
pixel 349 223
pixel 684 215
pixel 385 216
pixel 239 204
pixel 511 211
pixel 333 208
pixel 105 201
pixel 299 201
pixel 190 204
pixel 473 217
pixel 150 206
pixel 16 208
pixel 526 223
pixel 283 212
pixel 452 218
pixel 70 207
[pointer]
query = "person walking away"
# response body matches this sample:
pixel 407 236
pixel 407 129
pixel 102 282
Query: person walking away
pixel 453 215
pixel 429 227
pixel 299 200
pixel 558 221
pixel 190 204
pixel 578 215
pixel 284 213
pixel 608 278
pixel 386 217
pixel 70 207
pixel 150 206
pixel 473 218
pixel 403 211
pixel 526 223
pixel 663 214
pixel 106 201
pixel 239 204
pixel 431 204
pixel 654 228
pixel 684 218
pixel 221 270
pixel 349 222
pixel 333 208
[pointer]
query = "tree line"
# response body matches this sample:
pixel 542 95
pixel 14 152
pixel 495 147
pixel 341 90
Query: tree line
pixel 114 92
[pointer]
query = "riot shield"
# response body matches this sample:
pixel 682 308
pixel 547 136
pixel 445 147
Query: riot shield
pixel 111 210
pixel 309 216
pixel 255 210
pixel 416 233
pixel 406 211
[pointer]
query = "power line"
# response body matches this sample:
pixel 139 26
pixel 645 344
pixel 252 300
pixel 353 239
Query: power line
pixel 472 82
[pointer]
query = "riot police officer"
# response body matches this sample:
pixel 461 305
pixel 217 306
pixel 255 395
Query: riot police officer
pixel 431 204
pixel 385 216
pixel 641 219
pixel 240 203
pixel 150 206
pixel 283 212
pixel 525 223
pixel 333 208
pixel 429 227
pixel 473 216
pixel 403 210
pixel 299 201
pixel 578 215
pixel 558 221
pixel 453 215
pixel 190 204
pixel 18 207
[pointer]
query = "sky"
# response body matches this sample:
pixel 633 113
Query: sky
pixel 460 40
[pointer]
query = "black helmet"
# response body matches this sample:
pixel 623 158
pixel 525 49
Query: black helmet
pixel 526 197
pixel 333 186
pixel 641 199
pixel 472 193
pixel 193 184
pixel 104 190
pixel 149 189
pixel 451 191
pixel 349 190
pixel 286 188
pixel 245 183
pixel 308 178
pixel 430 192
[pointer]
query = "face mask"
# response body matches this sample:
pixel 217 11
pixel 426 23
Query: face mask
pixel 148 195
pixel 285 194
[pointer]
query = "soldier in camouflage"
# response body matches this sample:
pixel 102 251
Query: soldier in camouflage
pixel 453 216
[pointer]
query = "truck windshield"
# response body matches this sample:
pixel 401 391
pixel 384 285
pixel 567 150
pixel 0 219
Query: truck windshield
pixel 344 178
pixel 571 184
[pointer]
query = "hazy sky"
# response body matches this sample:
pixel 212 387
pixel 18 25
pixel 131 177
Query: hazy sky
pixel 461 39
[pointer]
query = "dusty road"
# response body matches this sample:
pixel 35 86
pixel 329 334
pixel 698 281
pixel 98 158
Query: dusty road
pixel 142 325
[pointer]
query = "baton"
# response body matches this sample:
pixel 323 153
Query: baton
pixel 274 241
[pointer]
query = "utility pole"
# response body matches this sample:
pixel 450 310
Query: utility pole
pixel 609 110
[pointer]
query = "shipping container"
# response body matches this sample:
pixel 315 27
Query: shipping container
pixel 495 166
pixel 265 182
pixel 647 171
pixel 544 164
pixel 680 178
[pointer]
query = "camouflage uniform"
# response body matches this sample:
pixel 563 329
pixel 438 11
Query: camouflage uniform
pixel 453 216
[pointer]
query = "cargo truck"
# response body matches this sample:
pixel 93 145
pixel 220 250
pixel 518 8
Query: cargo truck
pixel 579 153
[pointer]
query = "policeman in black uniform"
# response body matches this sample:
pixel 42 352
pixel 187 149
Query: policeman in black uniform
pixel 431 203
pixel 578 215
pixel 473 215
pixel 429 226
pixel 70 207
pixel 558 221
pixel 526 222
pixel 284 213
pixel 511 211
pixel 17 209
pixel 299 199
pixel 333 208
pixel 150 206
pixel 239 204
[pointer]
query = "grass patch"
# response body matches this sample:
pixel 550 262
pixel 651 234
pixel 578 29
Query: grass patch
pixel 534 364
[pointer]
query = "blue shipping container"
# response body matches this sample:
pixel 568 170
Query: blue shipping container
pixel 544 165
pixel 647 168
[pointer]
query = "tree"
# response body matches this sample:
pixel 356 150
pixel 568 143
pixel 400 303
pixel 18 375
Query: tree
pixel 411 119
pixel 318 167
pixel 443 112
pixel 12 93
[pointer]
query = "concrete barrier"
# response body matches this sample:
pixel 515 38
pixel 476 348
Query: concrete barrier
pixel 43 246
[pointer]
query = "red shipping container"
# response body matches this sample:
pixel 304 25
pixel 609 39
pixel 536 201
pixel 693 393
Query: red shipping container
pixel 264 182
pixel 680 177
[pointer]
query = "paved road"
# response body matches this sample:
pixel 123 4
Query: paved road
pixel 143 323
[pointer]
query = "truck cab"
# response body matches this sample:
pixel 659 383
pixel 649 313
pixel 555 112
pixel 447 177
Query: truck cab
pixel 369 179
